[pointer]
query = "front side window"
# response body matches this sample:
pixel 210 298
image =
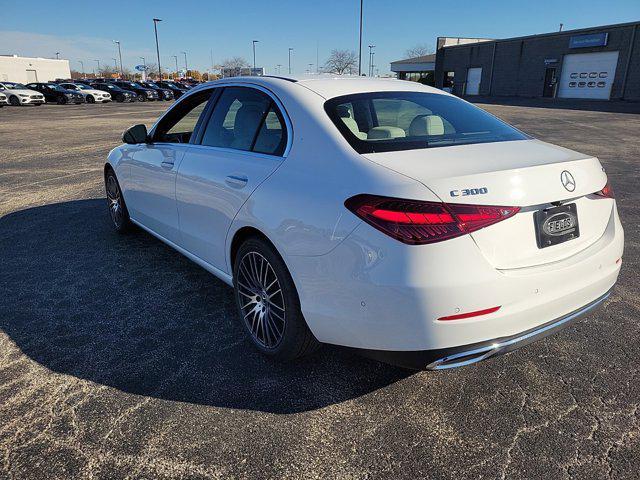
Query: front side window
pixel 246 119
pixel 178 124
pixel 391 121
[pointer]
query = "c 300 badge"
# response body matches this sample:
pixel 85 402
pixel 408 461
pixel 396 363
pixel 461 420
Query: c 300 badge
pixel 469 191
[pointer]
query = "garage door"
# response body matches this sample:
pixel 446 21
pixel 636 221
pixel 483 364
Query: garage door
pixel 588 75
pixel 474 75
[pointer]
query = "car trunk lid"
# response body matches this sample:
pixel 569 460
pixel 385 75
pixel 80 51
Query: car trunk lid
pixel 526 174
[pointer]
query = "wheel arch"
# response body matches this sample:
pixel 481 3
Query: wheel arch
pixel 243 234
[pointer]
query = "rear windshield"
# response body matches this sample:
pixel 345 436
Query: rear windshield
pixel 391 121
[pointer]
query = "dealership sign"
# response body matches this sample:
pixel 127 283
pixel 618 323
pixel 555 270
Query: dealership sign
pixel 588 40
pixel 141 68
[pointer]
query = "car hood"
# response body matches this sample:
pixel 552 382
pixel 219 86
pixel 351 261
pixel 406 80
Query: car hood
pixel 24 91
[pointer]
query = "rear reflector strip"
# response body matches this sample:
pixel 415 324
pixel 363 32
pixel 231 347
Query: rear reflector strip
pixel 471 314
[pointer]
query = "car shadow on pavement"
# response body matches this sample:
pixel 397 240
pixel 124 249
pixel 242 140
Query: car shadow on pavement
pixel 128 312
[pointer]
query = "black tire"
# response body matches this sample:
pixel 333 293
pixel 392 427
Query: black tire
pixel 115 203
pixel 91 99
pixel 37 104
pixel 289 336
pixel 141 98
pixel 119 98
pixel 15 101
pixel 62 100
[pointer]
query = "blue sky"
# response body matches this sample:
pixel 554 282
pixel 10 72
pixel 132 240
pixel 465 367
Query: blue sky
pixel 86 30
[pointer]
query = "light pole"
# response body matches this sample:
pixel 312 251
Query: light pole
pixel 143 61
pixel 254 53
pixel 82 65
pixel 371 47
pixel 98 62
pixel 186 67
pixel 360 44
pixel 290 50
pixel 117 42
pixel 57 55
pixel 175 57
pixel 115 63
pixel 278 68
pixel 155 27
pixel 310 69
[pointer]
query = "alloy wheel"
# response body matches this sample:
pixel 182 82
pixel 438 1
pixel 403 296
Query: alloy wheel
pixel 261 300
pixel 114 198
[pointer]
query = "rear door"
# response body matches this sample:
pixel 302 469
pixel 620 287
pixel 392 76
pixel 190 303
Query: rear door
pixel 244 141
pixel 152 179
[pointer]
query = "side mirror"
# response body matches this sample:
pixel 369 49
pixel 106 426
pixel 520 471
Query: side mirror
pixel 135 134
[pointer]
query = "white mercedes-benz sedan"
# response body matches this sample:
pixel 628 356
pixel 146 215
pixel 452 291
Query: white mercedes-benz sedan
pixel 382 215
pixel 91 95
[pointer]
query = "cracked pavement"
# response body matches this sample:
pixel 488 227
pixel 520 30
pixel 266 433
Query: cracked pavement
pixel 119 358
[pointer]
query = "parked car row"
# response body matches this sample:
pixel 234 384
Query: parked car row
pixel 95 90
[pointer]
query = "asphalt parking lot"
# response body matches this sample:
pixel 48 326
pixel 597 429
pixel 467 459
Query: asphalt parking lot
pixel 121 358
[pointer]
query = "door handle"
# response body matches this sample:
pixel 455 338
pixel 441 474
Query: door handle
pixel 236 181
pixel 166 164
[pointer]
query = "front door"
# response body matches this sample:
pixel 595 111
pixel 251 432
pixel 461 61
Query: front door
pixel 549 82
pixel 242 144
pixel 153 167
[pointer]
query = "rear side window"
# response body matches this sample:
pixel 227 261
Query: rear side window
pixel 246 119
pixel 392 121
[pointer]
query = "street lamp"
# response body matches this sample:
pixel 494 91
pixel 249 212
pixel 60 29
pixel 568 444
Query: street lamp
pixel 143 61
pixel 117 42
pixel 57 55
pixel 175 57
pixel 82 64
pixel 371 47
pixel 290 50
pixel 310 69
pixel 278 68
pixel 186 68
pixel 155 27
pixel 360 44
pixel 98 61
pixel 254 53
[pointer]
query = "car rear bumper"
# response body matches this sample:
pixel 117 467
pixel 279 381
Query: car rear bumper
pixel 374 293
pixel 468 354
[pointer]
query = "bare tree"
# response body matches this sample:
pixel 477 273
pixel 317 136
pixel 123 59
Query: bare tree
pixel 419 50
pixel 232 67
pixel 341 62
pixel 107 71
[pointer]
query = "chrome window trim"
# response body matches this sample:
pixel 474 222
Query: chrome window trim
pixel 246 84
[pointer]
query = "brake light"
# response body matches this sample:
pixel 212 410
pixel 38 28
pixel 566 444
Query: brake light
pixel 416 222
pixel 607 191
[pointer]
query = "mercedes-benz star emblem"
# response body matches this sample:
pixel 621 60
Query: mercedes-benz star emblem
pixel 568 181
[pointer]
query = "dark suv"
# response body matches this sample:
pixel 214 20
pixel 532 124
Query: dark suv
pixel 163 93
pixel 177 90
pixel 142 94
pixel 117 94
pixel 54 93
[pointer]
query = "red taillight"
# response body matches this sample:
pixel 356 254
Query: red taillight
pixel 417 223
pixel 607 191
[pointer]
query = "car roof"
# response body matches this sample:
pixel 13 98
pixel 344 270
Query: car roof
pixel 330 86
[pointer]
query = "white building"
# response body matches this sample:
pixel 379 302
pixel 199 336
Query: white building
pixel 26 70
